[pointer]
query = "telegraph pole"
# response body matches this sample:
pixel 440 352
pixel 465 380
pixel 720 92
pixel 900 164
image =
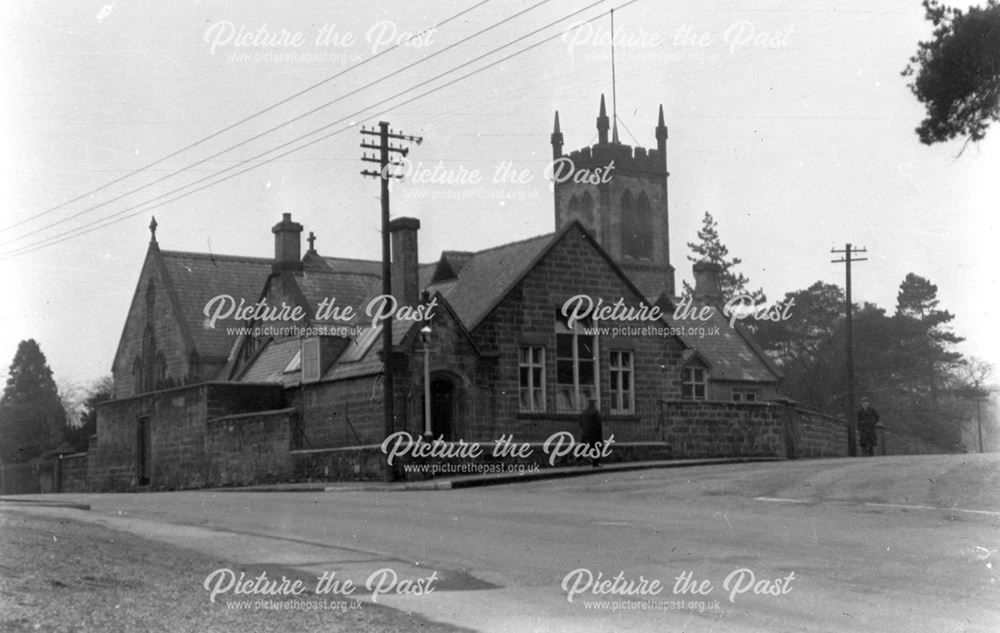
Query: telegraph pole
pixel 848 253
pixel 384 173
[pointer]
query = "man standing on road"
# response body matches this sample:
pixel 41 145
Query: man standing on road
pixel 591 432
pixel 867 418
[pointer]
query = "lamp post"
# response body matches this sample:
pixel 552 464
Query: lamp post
pixel 425 337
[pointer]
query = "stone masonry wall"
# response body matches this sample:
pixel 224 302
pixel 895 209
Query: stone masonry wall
pixel 73 475
pixel 818 435
pixel 177 419
pixel 249 448
pixel 724 429
pixel 527 316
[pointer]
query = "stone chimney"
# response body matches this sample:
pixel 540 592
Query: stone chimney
pixel 707 281
pixel 287 246
pixel 405 265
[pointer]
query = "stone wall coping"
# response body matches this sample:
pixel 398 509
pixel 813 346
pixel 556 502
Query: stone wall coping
pixel 833 418
pixel 726 403
pixel 253 414
pixel 192 386
pixel 573 417
pixel 309 451
pixel 73 455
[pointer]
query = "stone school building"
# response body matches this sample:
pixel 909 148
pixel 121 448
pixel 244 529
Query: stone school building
pixel 211 388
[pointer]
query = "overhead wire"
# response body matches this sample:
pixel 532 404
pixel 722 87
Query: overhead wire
pixel 119 216
pixel 246 119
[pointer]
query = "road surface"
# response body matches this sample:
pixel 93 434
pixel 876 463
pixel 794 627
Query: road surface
pixel 885 544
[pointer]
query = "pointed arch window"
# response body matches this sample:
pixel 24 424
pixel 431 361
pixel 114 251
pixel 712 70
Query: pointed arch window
pixel 194 367
pixel 137 379
pixel 147 374
pixel 161 371
pixel 637 226
pixel 150 298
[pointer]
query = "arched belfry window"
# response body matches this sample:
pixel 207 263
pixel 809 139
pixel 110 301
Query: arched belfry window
pixel 637 226
pixel 581 207
pixel 626 204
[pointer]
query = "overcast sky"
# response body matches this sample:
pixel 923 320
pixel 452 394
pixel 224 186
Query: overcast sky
pixel 789 122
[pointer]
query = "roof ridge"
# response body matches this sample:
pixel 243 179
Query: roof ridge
pixel 216 256
pixel 525 240
pixel 351 259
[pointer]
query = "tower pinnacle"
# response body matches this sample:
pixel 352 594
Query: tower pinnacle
pixel 602 124
pixel 556 138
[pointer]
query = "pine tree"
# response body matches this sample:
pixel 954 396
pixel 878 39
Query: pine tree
pixel 31 414
pixel 710 248
pixel 956 74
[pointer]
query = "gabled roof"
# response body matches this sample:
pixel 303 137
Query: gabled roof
pixel 450 264
pixel 731 353
pixel 471 283
pixel 347 288
pixel 194 278
pixel 486 277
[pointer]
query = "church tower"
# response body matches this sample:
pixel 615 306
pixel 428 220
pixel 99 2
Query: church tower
pixel 619 193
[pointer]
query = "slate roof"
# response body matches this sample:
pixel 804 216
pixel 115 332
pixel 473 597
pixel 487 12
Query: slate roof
pixel 348 288
pixel 472 283
pixel 730 353
pixel 487 276
pixel 195 278
pixel 269 366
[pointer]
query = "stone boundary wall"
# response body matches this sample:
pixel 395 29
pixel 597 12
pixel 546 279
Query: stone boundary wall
pixel 19 479
pixel 250 448
pixel 368 462
pixel 816 434
pixel 715 428
pixel 73 473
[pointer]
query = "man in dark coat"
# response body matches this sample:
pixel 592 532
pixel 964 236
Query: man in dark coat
pixel 867 418
pixel 591 432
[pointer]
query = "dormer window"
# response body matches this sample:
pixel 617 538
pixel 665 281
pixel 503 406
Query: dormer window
pixel 694 383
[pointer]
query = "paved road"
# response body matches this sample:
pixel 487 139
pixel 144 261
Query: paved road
pixel 889 544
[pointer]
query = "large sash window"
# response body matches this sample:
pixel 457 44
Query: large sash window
pixel 576 365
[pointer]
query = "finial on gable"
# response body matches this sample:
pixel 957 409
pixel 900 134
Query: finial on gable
pixel 312 242
pixel 152 230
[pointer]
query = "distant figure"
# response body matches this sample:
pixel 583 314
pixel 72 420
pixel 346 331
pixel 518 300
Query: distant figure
pixel 867 418
pixel 591 432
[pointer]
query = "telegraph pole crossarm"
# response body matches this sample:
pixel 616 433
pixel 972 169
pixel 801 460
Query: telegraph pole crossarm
pixel 385 161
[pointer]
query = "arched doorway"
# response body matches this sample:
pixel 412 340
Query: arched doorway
pixel 443 400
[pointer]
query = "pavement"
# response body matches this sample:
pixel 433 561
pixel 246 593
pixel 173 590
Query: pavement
pixel 491 479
